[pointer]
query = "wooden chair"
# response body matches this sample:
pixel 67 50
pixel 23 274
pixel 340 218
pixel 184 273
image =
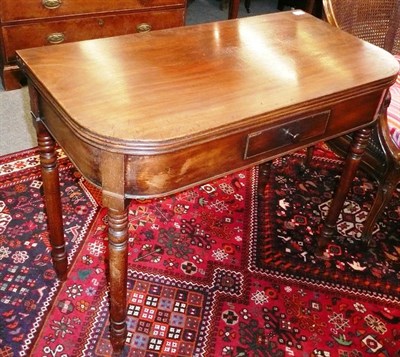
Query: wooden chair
pixel 378 22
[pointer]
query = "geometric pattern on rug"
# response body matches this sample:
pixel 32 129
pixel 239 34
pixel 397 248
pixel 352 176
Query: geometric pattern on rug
pixel 28 283
pixel 185 252
pixel 164 316
pixel 198 280
pixel 291 209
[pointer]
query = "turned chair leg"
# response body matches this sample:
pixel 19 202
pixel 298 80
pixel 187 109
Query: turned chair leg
pixel 354 155
pixel 307 161
pixel 309 155
pixel 382 198
pixel 247 5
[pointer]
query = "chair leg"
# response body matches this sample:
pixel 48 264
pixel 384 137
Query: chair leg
pixel 247 5
pixel 306 163
pixel 382 198
pixel 281 5
pixel 309 155
pixel 310 6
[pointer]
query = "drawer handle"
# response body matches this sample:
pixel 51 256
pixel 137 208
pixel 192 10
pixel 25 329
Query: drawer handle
pixel 51 4
pixel 55 38
pixel 143 27
pixel 294 138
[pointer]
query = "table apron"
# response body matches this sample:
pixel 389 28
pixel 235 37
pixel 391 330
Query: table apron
pixel 157 174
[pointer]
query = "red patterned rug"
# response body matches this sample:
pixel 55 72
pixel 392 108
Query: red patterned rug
pixel 224 269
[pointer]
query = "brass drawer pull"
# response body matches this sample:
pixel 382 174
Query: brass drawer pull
pixel 55 38
pixel 51 4
pixel 143 27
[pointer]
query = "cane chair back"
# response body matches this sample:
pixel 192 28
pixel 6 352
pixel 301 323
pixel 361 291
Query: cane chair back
pixel 375 21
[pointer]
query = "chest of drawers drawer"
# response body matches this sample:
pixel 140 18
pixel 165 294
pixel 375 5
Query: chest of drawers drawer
pixel 12 10
pixel 17 37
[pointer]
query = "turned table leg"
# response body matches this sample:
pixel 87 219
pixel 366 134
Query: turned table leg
pixel 358 145
pixel 112 168
pixel 118 250
pixel 51 187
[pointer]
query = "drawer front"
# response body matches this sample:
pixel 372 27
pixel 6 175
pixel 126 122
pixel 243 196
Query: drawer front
pixel 290 133
pixel 12 10
pixel 41 34
pixel 158 174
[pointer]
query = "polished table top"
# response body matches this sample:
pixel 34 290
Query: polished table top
pixel 120 91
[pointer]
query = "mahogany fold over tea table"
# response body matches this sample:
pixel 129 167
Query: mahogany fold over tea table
pixel 150 114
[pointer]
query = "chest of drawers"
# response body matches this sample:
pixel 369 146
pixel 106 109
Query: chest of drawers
pixel 34 23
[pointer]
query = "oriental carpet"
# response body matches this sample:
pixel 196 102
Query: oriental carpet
pixel 223 269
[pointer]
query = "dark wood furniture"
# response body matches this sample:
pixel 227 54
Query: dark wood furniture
pixel 136 115
pixel 311 6
pixel 33 23
pixel 233 9
pixel 377 22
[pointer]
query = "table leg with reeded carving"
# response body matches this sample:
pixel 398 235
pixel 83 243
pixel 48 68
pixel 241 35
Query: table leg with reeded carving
pixel 356 150
pixel 51 187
